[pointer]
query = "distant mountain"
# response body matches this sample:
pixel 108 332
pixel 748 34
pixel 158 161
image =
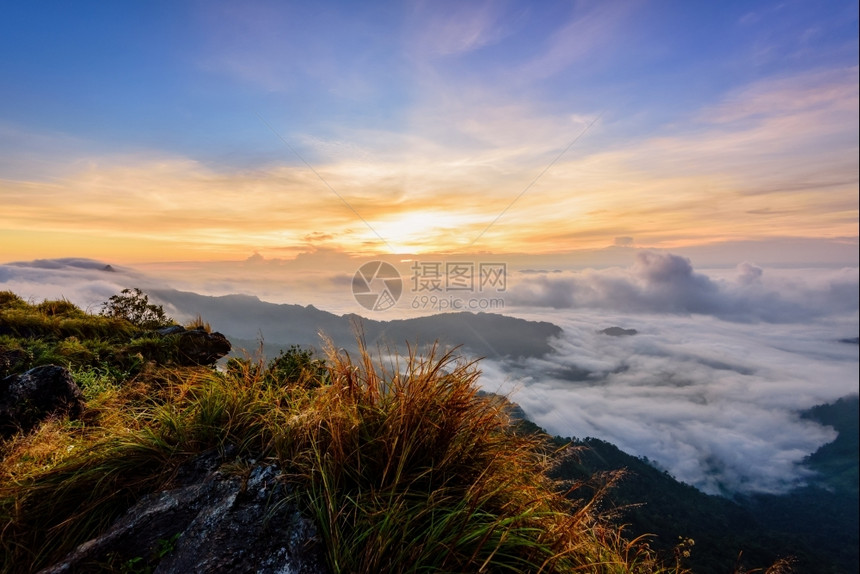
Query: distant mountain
pixel 817 524
pixel 824 515
pixel 836 462
pixel 245 319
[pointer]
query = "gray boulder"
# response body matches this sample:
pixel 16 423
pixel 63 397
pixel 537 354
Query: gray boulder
pixel 209 522
pixel 197 347
pixel 41 392
pixel 171 330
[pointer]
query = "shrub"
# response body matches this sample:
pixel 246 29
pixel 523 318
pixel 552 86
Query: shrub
pixel 133 305
pixel 294 365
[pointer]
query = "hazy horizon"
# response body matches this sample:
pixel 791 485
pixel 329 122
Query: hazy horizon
pixel 709 388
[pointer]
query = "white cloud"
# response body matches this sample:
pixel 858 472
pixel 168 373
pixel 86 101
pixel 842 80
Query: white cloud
pixel 711 386
pixel 667 283
pixel 714 403
pixel 457 28
pixel 590 28
pixel 85 282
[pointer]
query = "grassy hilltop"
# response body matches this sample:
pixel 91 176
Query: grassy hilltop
pixel 402 466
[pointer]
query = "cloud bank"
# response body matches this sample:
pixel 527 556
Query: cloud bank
pixel 667 283
pixel 711 386
pixel 715 403
pixel 85 282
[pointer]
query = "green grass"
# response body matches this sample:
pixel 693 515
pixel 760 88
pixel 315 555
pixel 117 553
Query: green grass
pixel 58 333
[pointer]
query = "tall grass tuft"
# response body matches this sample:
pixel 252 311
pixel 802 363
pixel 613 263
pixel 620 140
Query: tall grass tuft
pixel 198 323
pixel 408 469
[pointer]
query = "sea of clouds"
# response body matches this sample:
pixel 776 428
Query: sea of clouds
pixel 709 389
pixel 711 385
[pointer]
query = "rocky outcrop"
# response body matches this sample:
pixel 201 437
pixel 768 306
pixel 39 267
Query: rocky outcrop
pixel 208 522
pixel 619 332
pixel 196 346
pixel 29 398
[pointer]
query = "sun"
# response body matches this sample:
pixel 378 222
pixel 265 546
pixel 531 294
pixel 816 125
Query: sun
pixel 425 231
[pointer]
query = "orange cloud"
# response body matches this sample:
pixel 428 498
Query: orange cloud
pixel 774 160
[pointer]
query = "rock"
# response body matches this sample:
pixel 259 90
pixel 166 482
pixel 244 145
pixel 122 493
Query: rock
pixel 217 523
pixel 619 332
pixel 31 397
pixel 197 347
pixel 172 330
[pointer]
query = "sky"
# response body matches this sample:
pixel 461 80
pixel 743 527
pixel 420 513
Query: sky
pixel 213 131
pixel 685 169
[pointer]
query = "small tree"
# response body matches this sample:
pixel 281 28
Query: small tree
pixel 133 305
pixel 296 365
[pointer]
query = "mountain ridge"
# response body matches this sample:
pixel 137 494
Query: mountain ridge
pixel 246 320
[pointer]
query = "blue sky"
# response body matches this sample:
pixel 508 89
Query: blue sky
pixel 414 110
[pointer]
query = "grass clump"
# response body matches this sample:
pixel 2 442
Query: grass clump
pixel 9 300
pixel 60 308
pixel 198 323
pixel 406 468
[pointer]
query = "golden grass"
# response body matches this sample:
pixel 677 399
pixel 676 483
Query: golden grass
pixel 198 323
pixel 409 469
pixel 403 465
